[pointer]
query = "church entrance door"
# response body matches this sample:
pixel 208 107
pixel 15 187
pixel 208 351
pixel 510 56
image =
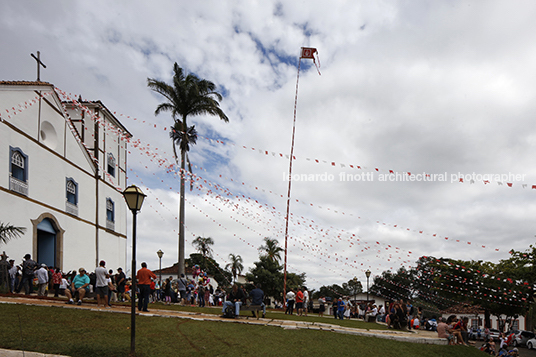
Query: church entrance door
pixel 46 243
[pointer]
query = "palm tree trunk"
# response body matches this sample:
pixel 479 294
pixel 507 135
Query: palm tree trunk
pixel 181 213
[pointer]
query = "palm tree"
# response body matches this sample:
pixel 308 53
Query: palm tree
pixel 189 95
pixel 235 265
pixel 203 246
pixel 272 249
pixel 8 232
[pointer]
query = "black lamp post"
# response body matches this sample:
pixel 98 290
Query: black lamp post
pixel 134 198
pixel 160 254
pixel 367 273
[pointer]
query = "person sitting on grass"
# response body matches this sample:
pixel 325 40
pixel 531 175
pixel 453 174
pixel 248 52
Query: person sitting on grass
pixel 488 346
pixel 80 284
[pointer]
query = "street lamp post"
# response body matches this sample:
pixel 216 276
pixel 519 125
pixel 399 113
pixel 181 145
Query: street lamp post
pixel 134 198
pixel 160 254
pixel 367 273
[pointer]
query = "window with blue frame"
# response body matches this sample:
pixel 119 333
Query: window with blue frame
pixel 111 164
pixel 19 164
pixel 110 210
pixel 72 191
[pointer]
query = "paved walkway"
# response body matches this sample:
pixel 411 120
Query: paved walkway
pixel 421 336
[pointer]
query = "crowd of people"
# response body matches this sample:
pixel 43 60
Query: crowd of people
pixel 109 286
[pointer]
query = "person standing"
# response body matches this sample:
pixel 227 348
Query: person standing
pixel 120 280
pixel 182 285
pixel 101 284
pixel 305 300
pixel 144 276
pixel 299 302
pixel 322 306
pixel 290 302
pixel 42 280
pixel 28 268
pixel 12 275
pixel 340 309
pixel 56 281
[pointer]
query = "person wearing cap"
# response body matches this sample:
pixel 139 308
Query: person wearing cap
pixel 101 284
pixel 28 269
pixel 80 284
pixel 42 280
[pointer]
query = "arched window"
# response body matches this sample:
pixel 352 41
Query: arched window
pixel 111 164
pixel 110 210
pixel 18 171
pixel 71 191
pixel 18 164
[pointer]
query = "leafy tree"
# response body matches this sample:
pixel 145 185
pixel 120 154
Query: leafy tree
pixel 353 287
pixel 212 268
pixel 332 291
pixel 187 96
pixel 8 232
pixel 235 265
pixel 272 249
pixel 270 274
pixel 394 285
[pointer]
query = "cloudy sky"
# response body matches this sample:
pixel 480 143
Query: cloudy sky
pixel 427 88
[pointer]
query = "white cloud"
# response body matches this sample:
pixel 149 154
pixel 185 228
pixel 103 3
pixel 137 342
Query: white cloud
pixel 425 87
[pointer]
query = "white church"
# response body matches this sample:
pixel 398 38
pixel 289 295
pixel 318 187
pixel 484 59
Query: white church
pixel 63 170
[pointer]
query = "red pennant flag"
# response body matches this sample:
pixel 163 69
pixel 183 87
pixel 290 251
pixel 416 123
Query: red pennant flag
pixel 308 52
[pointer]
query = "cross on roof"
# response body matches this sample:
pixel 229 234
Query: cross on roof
pixel 39 63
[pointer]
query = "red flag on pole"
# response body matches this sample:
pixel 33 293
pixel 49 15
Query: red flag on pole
pixel 308 52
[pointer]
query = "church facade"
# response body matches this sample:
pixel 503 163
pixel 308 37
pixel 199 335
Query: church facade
pixel 63 172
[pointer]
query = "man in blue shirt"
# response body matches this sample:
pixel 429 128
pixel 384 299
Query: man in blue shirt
pixel 80 284
pixel 340 309
pixel 257 298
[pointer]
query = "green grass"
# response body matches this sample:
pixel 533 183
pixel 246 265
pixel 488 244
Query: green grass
pixel 76 332
pixel 275 314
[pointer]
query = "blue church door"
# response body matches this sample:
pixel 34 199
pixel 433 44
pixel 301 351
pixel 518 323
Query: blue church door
pixel 46 243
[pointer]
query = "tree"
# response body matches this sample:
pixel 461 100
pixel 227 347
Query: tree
pixel 269 273
pixel 235 265
pixel 8 232
pixel 189 95
pixel 203 246
pixel 272 249
pixel 213 268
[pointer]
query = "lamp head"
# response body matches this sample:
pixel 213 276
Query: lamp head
pixel 367 273
pixel 134 197
pixel 160 253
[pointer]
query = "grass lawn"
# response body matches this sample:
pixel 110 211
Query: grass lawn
pixel 76 333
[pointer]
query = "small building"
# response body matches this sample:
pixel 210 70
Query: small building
pixel 476 317
pixel 173 273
